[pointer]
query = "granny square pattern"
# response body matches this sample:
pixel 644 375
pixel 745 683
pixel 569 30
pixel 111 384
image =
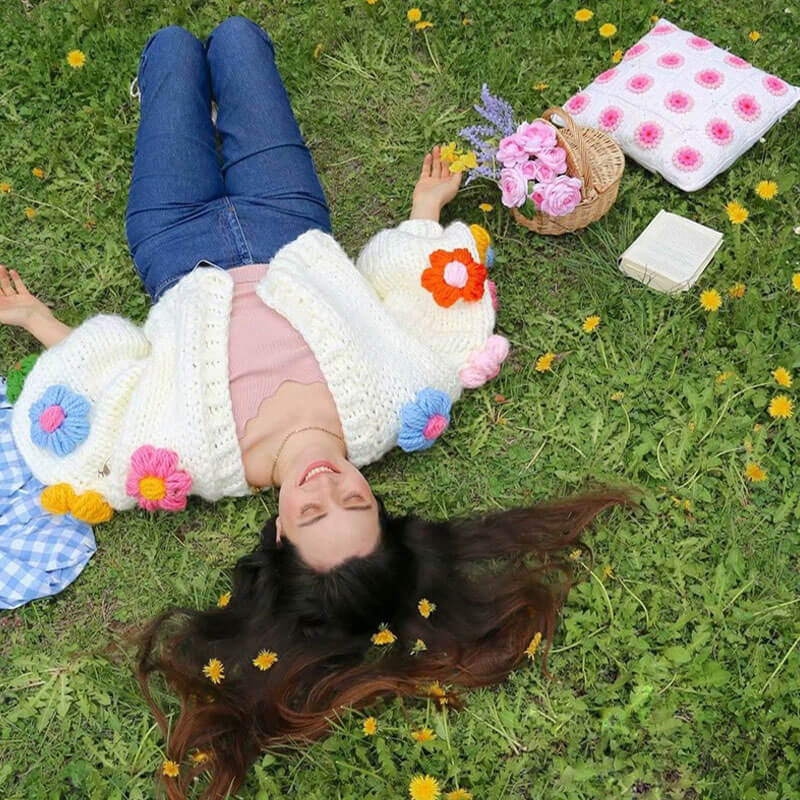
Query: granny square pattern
pixel 681 106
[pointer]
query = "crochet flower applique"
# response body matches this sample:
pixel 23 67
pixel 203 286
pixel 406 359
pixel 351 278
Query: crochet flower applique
pixel 454 275
pixel 424 419
pixel 484 364
pixel 155 480
pixel 59 420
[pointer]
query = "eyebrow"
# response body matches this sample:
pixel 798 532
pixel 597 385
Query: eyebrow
pixel 322 516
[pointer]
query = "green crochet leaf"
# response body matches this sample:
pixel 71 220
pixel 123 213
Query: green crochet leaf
pixel 16 378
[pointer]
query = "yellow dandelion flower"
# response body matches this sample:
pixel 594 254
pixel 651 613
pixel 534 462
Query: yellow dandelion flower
pixel 737 213
pixel 414 14
pixel 796 281
pixel 533 646
pixel 575 555
pixel 459 794
pixel 423 735
pixel 214 671
pixel 383 636
pixel 370 726
pixel 617 396
pixel 541 86
pixel 265 659
pixel 766 190
pixel 583 15
pixel 590 323
pixel 318 50
pixel 466 21
pixel 420 26
pixel 723 376
pixel 754 36
pixel 170 769
pixel 710 300
pixel 487 207
pixel 608 572
pixel 545 362
pixel 224 599
pixel 5 187
pixel 780 407
pixel 30 213
pixel 755 473
pixel 38 172
pixel 200 757
pixel 757 427
pixel 371 2
pixel 782 376
pixel 435 690
pixel 607 30
pixel 737 291
pixel 464 161
pixel 654 18
pixel 448 152
pixel 426 608
pixel 424 787
pixel 76 58
pixel 616 56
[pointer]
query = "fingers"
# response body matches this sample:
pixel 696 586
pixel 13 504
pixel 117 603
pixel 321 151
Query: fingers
pixel 18 283
pixel 425 172
pixel 5 283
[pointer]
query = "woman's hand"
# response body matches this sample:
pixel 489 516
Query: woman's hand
pixel 435 188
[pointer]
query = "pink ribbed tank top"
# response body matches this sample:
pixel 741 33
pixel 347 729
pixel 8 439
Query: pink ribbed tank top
pixel 264 350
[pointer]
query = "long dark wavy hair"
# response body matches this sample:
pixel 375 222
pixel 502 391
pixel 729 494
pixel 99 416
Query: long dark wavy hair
pixel 496 580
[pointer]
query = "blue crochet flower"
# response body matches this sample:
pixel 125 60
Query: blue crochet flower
pixel 489 263
pixel 424 419
pixel 59 420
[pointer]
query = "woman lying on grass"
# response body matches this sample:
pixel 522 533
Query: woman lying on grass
pixel 270 359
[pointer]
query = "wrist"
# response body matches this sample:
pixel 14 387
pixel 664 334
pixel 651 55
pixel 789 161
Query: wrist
pixel 425 209
pixel 36 316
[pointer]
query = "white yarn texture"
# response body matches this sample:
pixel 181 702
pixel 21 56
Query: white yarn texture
pixel 378 336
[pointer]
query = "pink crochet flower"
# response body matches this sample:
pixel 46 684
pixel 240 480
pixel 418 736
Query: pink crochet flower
pixel 484 364
pixel 636 50
pixel 678 101
pixel 709 78
pixel 699 43
pixel 610 118
pixel 747 107
pixel 736 62
pixel 577 103
pixel 605 77
pixel 670 60
pixel 492 287
pixel 662 29
pixel 719 131
pixel 687 159
pixel 155 480
pixel 639 83
pixel 648 135
pixel 774 85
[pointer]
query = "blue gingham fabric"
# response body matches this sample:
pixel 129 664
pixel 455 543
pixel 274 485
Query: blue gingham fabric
pixel 40 553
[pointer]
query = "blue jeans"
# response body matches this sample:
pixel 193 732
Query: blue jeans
pixel 183 207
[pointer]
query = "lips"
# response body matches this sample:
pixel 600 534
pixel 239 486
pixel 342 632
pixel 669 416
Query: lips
pixel 318 468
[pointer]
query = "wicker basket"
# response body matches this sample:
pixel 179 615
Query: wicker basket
pixel 591 155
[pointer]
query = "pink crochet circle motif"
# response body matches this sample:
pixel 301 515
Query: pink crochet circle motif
pixel 605 77
pixel 577 103
pixel 51 418
pixel 687 159
pixel 736 62
pixel 670 60
pixel 634 51
pixel 456 274
pixel 662 29
pixel 648 135
pixel 774 85
pixel 678 101
pixel 719 131
pixel 747 107
pixel 639 83
pixel 610 118
pixel 709 78
pixel 699 43
pixel 434 426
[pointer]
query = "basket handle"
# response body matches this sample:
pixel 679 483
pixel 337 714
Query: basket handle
pixel 581 157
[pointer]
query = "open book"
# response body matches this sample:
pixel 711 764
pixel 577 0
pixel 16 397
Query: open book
pixel 670 254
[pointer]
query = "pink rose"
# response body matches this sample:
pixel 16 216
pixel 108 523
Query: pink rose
pixel 560 196
pixel 555 158
pixel 514 186
pixel 536 136
pixel 512 151
pixel 535 170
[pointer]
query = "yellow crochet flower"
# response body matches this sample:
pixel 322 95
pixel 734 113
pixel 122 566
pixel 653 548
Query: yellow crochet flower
pixel 737 213
pixel 531 649
pixel 780 407
pixel 424 787
pixel 766 190
pixel 383 636
pixel 616 56
pixel 607 30
pixel 214 671
pixel 414 15
pixel 754 472
pixel 482 240
pixel 425 607
pixel 76 58
pixel 370 726
pixel 545 362
pixel 710 300
pixel 265 659
pixel 170 769
pixel 423 735
pixel 590 323
pixel 583 15
pixel 782 376
pixel 737 291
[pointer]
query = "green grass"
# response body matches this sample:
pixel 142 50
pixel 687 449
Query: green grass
pixel 676 677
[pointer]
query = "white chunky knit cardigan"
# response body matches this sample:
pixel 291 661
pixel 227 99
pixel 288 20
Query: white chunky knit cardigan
pixel 378 335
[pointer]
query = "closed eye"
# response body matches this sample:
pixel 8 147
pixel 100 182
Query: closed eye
pixel 322 516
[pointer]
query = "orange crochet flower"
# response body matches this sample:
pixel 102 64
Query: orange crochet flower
pixel 453 275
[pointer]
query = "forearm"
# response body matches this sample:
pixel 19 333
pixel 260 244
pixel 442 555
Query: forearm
pixel 424 209
pixel 47 329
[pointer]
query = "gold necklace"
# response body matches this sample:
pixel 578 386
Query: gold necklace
pixel 286 439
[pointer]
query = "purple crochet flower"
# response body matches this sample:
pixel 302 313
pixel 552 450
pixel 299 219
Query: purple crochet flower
pixel 59 420
pixel 424 419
